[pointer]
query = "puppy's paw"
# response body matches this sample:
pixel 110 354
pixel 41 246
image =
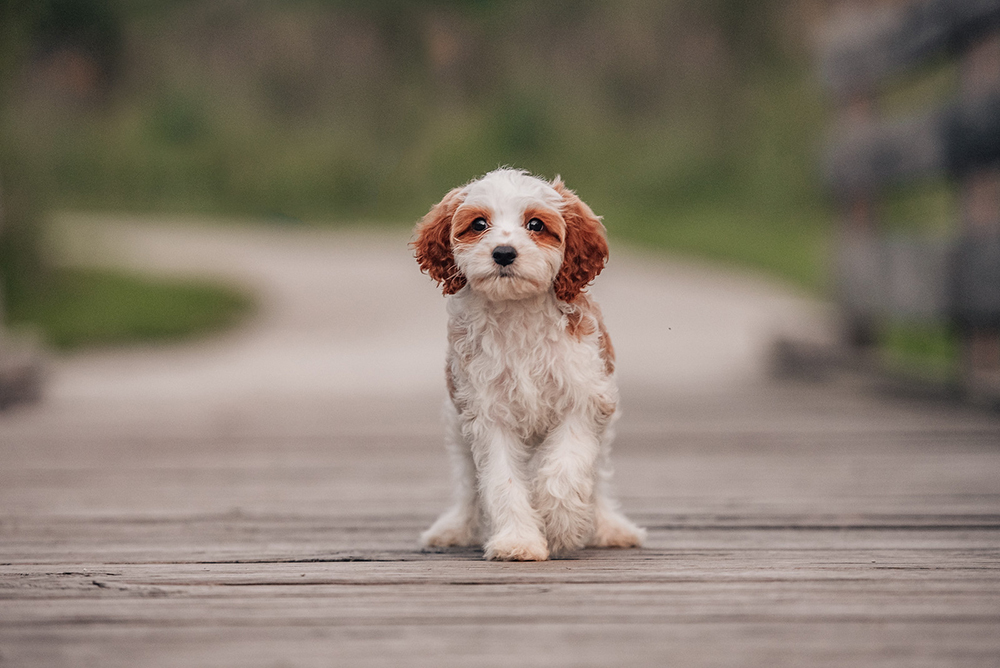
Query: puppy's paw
pixel 453 529
pixel 447 537
pixel 511 547
pixel 562 544
pixel 615 530
pixel 568 527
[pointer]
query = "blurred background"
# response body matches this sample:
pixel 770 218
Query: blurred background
pixel 691 125
pixel 688 124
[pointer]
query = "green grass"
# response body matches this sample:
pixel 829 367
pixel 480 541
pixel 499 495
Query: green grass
pixel 927 351
pixel 81 308
pixel 793 247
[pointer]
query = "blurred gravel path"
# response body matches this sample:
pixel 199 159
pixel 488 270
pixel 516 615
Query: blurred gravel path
pixel 348 313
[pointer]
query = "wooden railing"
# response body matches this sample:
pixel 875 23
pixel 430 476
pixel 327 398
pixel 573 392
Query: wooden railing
pixel 868 49
pixel 21 368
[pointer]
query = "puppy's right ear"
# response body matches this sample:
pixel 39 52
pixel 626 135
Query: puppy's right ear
pixel 432 246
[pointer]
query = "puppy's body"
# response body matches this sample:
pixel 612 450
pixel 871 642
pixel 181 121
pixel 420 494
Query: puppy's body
pixel 529 369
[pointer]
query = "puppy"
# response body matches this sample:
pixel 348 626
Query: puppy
pixel 529 371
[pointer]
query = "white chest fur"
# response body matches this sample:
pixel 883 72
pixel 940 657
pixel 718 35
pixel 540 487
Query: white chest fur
pixel 516 363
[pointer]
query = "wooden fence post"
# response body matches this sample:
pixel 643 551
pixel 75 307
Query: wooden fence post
pixel 886 277
pixel 20 363
pixel 980 204
pixel 855 109
pixel 859 224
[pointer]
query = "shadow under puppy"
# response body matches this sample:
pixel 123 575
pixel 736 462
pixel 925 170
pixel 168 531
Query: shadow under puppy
pixel 530 369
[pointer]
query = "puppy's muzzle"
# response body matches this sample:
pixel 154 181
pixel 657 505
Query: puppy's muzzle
pixel 504 255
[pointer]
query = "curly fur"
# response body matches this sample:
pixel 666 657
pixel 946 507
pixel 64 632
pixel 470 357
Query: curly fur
pixel 532 395
pixel 433 245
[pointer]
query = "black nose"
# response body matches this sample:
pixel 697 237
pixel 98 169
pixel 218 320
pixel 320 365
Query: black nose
pixel 504 255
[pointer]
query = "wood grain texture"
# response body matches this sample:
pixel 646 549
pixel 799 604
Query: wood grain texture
pixel 790 525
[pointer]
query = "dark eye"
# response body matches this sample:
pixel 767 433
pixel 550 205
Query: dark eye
pixel 536 225
pixel 479 224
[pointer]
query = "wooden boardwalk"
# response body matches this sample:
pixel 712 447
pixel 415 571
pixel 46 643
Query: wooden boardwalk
pixel 789 525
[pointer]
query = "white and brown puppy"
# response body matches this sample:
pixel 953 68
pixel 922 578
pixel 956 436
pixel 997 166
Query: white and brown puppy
pixel 530 369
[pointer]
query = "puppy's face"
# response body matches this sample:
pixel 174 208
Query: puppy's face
pixel 509 236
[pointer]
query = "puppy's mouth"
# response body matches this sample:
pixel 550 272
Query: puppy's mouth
pixel 509 276
pixel 501 276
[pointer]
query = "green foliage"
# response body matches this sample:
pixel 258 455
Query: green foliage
pixel 93 26
pixel 88 307
pixel 325 110
pixel 928 351
pixel 21 261
pixel 22 265
pixel 178 120
pixel 927 208
pixel 687 125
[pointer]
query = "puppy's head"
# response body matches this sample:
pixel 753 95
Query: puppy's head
pixel 510 235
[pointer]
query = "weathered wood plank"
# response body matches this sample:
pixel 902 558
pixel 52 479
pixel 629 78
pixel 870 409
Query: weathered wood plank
pixel 575 602
pixel 970 557
pixel 528 643
pixel 788 526
pixel 812 606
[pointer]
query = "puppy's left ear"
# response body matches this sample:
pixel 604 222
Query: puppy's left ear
pixel 432 247
pixel 586 245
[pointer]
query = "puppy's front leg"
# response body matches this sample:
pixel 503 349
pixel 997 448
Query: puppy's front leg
pixel 459 525
pixel 515 527
pixel 564 488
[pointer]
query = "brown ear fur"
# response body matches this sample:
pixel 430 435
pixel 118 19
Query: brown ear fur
pixel 432 246
pixel 586 246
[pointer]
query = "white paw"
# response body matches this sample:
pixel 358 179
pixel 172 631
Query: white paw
pixel 567 528
pixel 616 530
pixel 512 547
pixel 564 502
pixel 451 530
